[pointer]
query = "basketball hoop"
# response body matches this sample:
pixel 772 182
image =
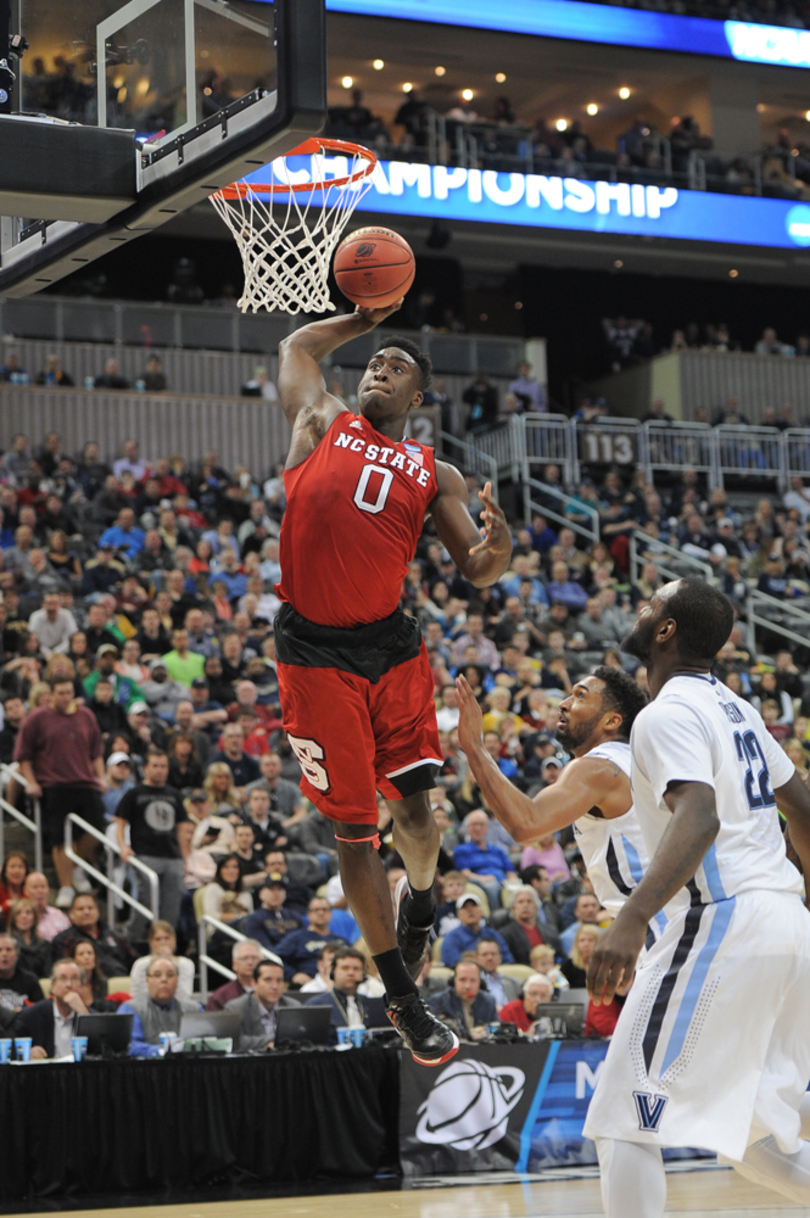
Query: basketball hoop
pixel 287 240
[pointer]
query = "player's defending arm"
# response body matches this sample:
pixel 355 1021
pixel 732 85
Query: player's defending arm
pixel 307 405
pixel 482 562
pixel 688 836
pixel 582 785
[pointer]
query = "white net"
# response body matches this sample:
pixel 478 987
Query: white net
pixel 287 240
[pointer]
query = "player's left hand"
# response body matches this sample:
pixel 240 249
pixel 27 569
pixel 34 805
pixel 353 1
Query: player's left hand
pixel 614 959
pixel 470 718
pixel 495 532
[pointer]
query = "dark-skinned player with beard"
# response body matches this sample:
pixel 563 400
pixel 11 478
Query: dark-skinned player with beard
pixel 593 791
pixel 354 678
pixel 712 1047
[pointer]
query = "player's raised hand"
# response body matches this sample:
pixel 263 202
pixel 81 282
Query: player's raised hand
pixel 614 959
pixel 470 720
pixel 495 532
pixel 375 316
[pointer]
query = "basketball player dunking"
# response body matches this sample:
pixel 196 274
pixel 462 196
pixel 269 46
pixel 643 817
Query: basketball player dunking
pixel 355 683
pixel 593 791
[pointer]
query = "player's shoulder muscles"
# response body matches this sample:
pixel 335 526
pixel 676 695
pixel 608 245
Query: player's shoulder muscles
pixel 308 407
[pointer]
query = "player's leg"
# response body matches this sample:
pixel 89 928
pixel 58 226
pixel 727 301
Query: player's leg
pixel 633 1181
pixel 789 1175
pixel 407 759
pixel 326 716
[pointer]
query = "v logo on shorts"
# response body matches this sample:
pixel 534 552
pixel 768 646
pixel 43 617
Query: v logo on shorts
pixel 650 1110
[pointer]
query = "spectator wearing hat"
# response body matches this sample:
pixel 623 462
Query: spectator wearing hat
pixel 162 694
pixel 485 865
pixel 119 780
pixel 208 715
pixel 125 693
pixel 276 866
pixel 472 928
pixel 144 730
pixel 273 919
pixel 465 1002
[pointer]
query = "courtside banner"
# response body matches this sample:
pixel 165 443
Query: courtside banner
pixel 534 200
pixel 470 1115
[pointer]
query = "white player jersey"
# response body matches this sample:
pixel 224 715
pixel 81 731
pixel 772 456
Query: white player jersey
pixel 614 850
pixel 697 730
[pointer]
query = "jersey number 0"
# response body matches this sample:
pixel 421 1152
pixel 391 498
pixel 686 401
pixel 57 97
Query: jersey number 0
pixel 376 505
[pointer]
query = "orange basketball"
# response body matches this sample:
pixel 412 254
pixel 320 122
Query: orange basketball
pixel 374 267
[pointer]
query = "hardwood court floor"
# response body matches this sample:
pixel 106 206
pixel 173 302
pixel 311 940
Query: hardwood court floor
pixel 701 1194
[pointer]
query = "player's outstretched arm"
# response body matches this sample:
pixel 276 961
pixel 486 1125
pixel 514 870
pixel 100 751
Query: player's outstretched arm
pixel 688 836
pixel 793 801
pixel 307 405
pixel 583 784
pixel 481 561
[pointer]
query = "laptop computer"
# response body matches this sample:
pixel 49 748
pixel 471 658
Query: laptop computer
pixel 562 1019
pixel 376 1016
pixel 304 1023
pixel 106 1034
pixel 221 1025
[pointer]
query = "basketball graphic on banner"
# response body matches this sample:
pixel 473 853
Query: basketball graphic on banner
pixel 469 1105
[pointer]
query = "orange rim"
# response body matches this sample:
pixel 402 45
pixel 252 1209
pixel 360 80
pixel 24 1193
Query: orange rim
pixel 238 190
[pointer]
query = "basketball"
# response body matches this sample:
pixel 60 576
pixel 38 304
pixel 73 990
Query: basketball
pixel 374 267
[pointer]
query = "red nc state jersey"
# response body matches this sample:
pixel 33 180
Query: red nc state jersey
pixel 355 509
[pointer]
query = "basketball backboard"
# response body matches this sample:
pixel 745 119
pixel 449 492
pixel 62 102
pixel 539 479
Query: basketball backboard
pixel 119 116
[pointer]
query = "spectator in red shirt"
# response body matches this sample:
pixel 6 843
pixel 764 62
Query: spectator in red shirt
pixel 59 748
pixel 523 1011
pixel 601 1021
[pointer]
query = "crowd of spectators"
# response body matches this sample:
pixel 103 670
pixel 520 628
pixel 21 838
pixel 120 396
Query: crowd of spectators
pixel 138 691
pixel 630 341
pixel 52 374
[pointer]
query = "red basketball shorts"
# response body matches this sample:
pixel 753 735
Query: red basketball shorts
pixel 354 737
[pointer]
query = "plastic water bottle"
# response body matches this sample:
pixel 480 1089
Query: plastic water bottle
pixel 140 385
pixel 89 383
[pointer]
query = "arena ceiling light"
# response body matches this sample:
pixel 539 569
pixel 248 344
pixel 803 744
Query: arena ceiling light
pixel 347 82
pixel 378 65
pixel 561 124
pixel 500 77
pixel 467 94
pixel 407 87
pixel 592 109
pixel 440 71
pixel 624 93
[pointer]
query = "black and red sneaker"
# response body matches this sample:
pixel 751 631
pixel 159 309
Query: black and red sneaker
pixel 430 1041
pixel 413 940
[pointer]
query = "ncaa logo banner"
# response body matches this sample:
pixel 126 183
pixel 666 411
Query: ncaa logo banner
pixel 469 1116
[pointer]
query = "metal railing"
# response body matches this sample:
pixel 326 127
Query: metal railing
pixel 668 559
pixel 113 889
pixel 765 611
pixel 796 447
pixel 33 826
pixel 548 439
pixel 532 506
pixel 745 452
pixel 204 961
pixel 669 446
pixel 470 457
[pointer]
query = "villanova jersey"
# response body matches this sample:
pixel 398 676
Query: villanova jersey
pixel 355 510
pixel 614 851
pixel 697 730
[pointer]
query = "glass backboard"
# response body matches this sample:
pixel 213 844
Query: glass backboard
pixel 211 89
